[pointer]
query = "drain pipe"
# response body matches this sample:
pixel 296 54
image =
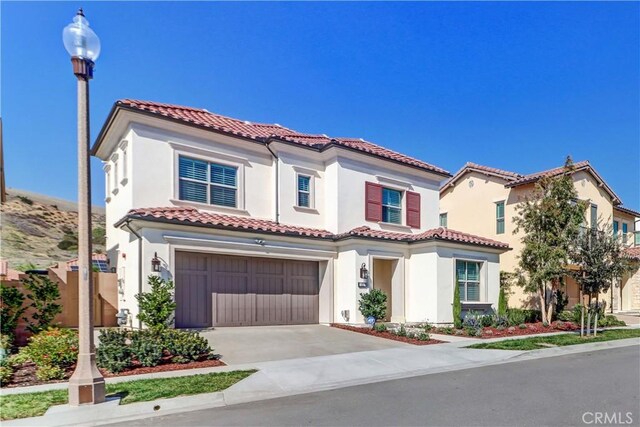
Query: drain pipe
pixel 139 237
pixel 277 182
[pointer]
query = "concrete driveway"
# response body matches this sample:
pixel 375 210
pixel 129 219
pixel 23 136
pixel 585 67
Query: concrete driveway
pixel 254 344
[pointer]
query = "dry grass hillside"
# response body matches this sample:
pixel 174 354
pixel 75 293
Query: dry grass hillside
pixel 42 230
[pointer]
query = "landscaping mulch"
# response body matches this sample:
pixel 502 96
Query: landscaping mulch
pixel 25 374
pixel 387 335
pixel 514 331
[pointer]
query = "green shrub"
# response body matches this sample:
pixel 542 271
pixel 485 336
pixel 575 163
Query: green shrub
pixel 49 372
pixel 532 316
pixel 98 236
pixel 610 320
pixel 52 351
pixel 6 372
pixel 157 306
pixel 447 330
pixel 562 299
pixel 516 316
pixel 566 316
pixel 427 326
pixel 113 353
pixel 401 331
pixel 500 321
pixel 11 309
pixel 457 307
pixel 472 324
pixel 380 327
pixel 6 342
pixel 486 320
pixel 25 200
pixel 423 336
pixel 147 347
pixel 43 293
pixel 502 303
pixel 185 346
pixel 54 346
pixel 373 303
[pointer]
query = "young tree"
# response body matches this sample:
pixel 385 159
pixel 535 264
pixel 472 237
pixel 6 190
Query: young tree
pixel 157 306
pixel 457 307
pixel 43 293
pixel 373 303
pixel 550 220
pixel 505 287
pixel 598 254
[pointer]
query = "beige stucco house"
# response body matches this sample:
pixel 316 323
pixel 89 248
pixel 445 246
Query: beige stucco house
pixel 482 200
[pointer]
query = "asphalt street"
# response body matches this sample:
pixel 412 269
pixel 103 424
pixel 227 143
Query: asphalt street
pixel 574 390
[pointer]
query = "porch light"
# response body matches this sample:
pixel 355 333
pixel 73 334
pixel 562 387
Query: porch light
pixel 364 273
pixel 155 263
pixel 80 40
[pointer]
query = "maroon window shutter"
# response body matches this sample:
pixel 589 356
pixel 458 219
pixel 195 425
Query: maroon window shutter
pixel 373 203
pixel 413 209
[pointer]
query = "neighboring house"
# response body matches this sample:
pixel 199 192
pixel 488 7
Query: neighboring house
pixel 100 264
pixel 482 200
pixel 259 224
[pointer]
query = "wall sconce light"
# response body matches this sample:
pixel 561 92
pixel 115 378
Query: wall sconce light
pixel 155 263
pixel 364 273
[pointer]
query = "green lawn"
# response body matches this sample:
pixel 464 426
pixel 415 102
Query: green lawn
pixel 535 343
pixel 34 404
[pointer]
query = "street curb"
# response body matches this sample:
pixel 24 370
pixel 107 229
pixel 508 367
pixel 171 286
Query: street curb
pixel 63 415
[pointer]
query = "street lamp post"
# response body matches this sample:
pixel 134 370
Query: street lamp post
pixel 86 385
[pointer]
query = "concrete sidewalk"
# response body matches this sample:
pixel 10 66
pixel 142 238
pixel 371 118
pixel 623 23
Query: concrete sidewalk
pixel 306 375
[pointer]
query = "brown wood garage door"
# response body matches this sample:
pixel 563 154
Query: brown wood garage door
pixel 225 290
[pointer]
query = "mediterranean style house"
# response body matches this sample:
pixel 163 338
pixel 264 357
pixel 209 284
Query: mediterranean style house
pixel 258 224
pixel 482 200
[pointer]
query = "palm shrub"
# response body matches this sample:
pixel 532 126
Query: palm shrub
pixel 43 293
pixel 457 307
pixel 373 303
pixel 157 306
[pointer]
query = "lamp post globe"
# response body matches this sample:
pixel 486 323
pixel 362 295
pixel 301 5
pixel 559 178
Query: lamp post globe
pixel 86 385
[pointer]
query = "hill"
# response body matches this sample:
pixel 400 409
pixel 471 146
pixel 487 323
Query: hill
pixel 42 230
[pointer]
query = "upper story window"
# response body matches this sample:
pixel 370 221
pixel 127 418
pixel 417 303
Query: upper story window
pixel 304 191
pixel 115 174
pixel 625 230
pixel 443 220
pixel 124 164
pixel 206 182
pixel 500 217
pixel 616 227
pixel 468 278
pixel 391 206
pixel 594 216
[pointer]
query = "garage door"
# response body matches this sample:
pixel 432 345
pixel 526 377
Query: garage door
pixel 225 290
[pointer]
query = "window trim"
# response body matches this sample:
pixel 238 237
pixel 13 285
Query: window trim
pixel 593 222
pixel 311 191
pixel 240 187
pixel 481 279
pixel 444 215
pixel 400 207
pixel 616 227
pixel 625 226
pixel 501 220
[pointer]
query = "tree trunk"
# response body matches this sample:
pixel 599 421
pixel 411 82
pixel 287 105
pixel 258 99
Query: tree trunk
pixel 541 296
pixel 581 312
pixel 595 325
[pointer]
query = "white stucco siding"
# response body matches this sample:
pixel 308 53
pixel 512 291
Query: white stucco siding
pixel 352 176
pixel 422 289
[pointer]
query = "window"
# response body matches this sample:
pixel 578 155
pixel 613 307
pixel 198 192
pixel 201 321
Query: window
pixel 304 191
pixel 616 226
pixel 107 180
pixel 391 206
pixel 443 220
pixel 124 164
pixel 625 230
pixel 594 217
pixel 115 175
pixel 500 218
pixel 205 182
pixel 468 277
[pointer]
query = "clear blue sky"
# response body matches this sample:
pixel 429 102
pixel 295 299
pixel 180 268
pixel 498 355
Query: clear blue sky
pixel 511 85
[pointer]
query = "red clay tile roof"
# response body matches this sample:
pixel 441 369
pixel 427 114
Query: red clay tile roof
pixel 469 166
pixel 189 215
pixel 264 132
pixel 532 177
pixel 633 252
pixel 192 215
pixel 627 211
pixel 439 233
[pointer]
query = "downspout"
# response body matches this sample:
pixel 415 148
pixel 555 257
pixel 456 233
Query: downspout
pixel 135 233
pixel 277 182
